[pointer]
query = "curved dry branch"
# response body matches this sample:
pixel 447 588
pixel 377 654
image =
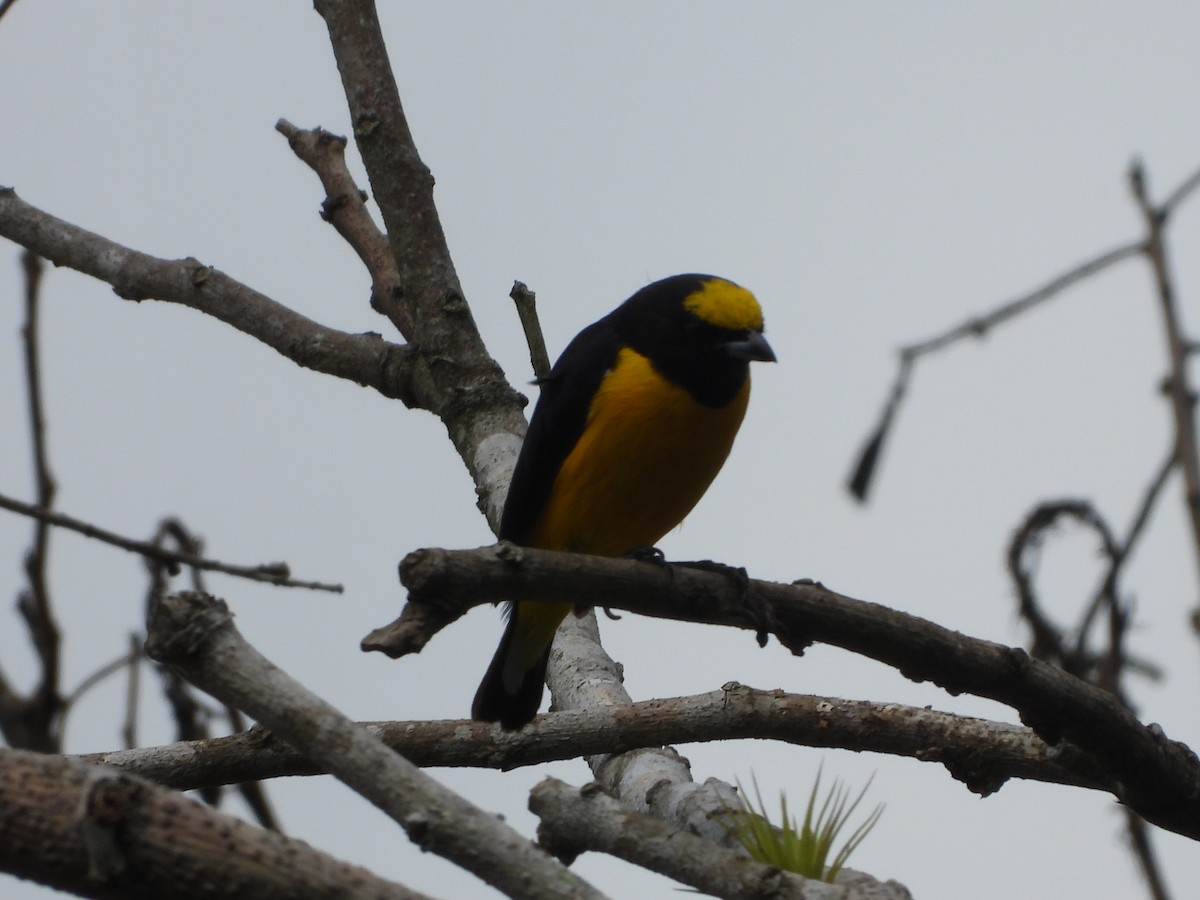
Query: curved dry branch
pixel 862 474
pixel 1158 777
pixel 194 633
pixel 980 753
pixel 365 359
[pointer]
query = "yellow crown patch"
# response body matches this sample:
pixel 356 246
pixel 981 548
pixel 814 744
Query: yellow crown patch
pixel 726 305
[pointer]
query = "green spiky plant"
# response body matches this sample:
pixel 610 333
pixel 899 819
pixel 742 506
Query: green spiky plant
pixel 804 850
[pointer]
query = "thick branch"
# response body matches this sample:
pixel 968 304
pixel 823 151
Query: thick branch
pixel 980 753
pixel 482 413
pixel 577 819
pixel 194 633
pixel 1158 777
pixel 100 833
pixel 365 359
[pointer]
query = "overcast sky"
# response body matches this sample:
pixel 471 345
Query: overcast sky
pixel 874 172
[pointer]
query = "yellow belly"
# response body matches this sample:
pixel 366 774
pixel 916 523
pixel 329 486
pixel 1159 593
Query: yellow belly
pixel 647 454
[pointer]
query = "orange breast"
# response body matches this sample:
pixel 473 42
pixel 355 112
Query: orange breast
pixel 646 456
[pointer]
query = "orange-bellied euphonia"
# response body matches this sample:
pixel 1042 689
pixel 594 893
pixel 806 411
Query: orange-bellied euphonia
pixel 633 423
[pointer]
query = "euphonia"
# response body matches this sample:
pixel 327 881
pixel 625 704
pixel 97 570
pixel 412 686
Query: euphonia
pixel 632 425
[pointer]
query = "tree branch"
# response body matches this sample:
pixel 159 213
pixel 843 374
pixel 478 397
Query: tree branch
pixel 1183 400
pixel 346 210
pixel 271 573
pixel 975 327
pixel 1158 777
pixel 365 359
pixel 32 722
pixel 194 633
pixel 481 411
pixel 99 833
pixel 578 819
pixel 978 752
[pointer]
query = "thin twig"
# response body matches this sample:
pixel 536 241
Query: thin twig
pixel 526 303
pixel 1180 193
pixel 1049 641
pixel 112 667
pixel 32 721
pixel 1125 551
pixel 979 326
pixel 1143 850
pixel 253 792
pixel 132 691
pixel 863 471
pixel 270 573
pixel 980 753
pixel 97 677
pixel 1187 450
pixel 1179 389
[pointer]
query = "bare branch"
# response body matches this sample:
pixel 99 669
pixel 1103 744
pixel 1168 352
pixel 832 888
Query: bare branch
pixel 982 754
pixel 101 833
pixel 1180 193
pixel 1158 777
pixel 365 359
pixel 974 327
pixel 132 692
pixel 345 208
pixel 481 411
pixel 32 721
pixel 1182 395
pixel 526 303
pixel 271 573
pixel 979 326
pixel 1143 850
pixel 577 819
pixel 195 634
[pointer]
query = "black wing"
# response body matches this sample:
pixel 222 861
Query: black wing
pixel 558 421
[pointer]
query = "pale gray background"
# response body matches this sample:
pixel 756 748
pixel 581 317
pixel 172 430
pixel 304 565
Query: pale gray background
pixel 874 173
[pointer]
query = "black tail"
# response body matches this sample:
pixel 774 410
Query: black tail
pixel 496 703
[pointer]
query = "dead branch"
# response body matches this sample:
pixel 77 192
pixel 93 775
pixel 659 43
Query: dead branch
pixel 345 208
pixel 101 833
pixel 577 819
pixel 194 633
pixel 980 753
pixel 1158 777
pixel 270 573
pixel 33 721
pixel 365 359
pixel 481 411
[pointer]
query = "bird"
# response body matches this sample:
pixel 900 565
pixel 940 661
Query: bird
pixel 631 426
